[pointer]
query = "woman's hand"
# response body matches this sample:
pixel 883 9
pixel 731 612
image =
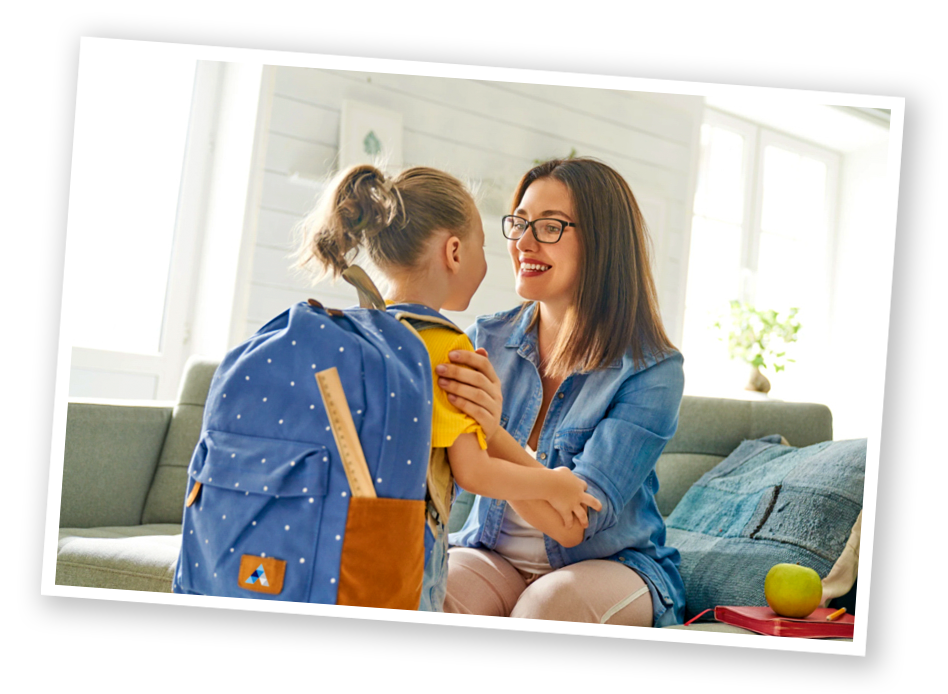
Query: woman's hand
pixel 475 390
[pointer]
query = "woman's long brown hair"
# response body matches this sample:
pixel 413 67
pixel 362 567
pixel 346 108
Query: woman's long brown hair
pixel 615 305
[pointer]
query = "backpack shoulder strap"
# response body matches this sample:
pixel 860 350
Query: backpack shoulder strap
pixel 421 317
pixel 417 324
pixel 369 295
pixel 420 322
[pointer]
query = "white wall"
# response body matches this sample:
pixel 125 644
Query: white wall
pixel 261 141
pixel 488 133
pixel 268 136
pixel 862 278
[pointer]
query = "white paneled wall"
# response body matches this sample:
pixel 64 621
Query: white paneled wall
pixel 486 133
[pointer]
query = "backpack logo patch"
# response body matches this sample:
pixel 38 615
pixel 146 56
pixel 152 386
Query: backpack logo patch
pixel 261 574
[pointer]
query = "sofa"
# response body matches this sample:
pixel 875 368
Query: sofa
pixel 125 473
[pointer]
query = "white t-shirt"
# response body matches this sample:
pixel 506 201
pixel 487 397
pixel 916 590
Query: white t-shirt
pixel 520 543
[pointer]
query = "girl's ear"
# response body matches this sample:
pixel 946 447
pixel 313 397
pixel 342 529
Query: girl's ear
pixel 452 254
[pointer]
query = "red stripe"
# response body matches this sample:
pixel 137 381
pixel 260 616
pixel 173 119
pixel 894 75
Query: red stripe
pixel 697 616
pixel 6 358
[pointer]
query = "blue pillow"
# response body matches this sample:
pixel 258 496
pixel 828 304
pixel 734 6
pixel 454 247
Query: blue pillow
pixel 764 504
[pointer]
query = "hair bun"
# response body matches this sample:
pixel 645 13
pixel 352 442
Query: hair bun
pixel 391 218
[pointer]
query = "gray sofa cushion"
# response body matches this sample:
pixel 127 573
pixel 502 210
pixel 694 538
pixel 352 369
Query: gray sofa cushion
pixel 709 429
pixel 109 462
pixel 765 504
pixel 676 473
pixel 166 499
pixel 140 557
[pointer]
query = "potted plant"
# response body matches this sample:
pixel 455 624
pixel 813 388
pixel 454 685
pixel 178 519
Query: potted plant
pixel 759 338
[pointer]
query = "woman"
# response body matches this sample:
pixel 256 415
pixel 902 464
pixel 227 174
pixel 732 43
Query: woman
pixel 581 375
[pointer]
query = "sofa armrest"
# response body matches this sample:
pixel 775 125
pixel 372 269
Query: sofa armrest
pixel 111 453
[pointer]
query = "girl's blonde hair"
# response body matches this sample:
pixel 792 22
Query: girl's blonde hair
pixel 393 218
pixel 615 302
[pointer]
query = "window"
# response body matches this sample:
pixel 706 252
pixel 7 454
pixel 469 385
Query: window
pixel 132 116
pixel 124 206
pixel 762 233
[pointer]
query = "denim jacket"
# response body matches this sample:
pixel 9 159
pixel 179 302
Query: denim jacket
pixel 609 427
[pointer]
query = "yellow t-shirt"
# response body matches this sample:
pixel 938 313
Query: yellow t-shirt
pixel 447 422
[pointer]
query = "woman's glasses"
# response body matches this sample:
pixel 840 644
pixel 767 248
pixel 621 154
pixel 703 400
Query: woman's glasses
pixel 544 230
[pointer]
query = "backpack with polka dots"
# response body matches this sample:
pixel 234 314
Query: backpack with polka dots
pixel 270 512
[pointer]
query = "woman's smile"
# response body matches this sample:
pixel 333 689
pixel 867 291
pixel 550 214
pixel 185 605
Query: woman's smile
pixel 532 268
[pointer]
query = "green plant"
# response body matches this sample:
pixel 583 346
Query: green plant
pixel 759 338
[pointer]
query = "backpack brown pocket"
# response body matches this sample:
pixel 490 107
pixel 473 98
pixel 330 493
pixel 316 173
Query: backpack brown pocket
pixel 383 554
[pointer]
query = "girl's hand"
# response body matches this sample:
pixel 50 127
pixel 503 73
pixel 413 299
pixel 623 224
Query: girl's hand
pixel 571 499
pixel 475 390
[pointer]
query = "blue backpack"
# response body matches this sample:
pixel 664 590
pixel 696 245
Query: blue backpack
pixel 272 510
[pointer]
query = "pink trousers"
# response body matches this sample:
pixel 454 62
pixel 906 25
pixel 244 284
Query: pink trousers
pixel 596 591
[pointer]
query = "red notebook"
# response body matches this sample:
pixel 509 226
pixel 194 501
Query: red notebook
pixel 763 620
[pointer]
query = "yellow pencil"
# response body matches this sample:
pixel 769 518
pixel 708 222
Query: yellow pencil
pixel 836 615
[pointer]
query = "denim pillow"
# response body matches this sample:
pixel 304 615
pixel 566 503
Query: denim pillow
pixel 765 504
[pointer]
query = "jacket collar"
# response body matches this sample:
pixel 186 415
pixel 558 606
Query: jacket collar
pixel 520 336
pixel 525 342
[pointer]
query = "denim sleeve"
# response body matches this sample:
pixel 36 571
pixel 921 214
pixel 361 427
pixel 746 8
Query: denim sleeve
pixel 626 443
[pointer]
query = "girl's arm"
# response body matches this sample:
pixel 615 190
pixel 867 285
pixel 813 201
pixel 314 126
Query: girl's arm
pixel 480 473
pixel 537 512
pixel 480 397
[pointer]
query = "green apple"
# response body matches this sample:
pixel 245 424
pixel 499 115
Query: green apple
pixel 793 590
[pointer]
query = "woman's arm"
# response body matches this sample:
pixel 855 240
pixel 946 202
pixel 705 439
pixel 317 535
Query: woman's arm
pixel 624 447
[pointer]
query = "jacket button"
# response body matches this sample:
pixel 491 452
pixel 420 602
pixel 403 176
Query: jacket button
pixel 543 456
pixel 560 396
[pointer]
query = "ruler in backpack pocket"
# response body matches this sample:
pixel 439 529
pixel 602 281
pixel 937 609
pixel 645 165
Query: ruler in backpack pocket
pixel 344 432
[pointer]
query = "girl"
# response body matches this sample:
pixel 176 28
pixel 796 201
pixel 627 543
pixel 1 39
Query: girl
pixel 588 381
pixel 424 233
